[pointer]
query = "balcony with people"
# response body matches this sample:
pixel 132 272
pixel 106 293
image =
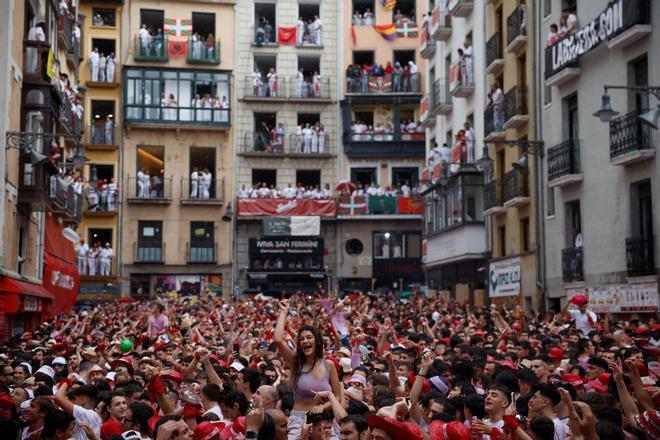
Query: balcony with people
pixel 103 66
pixel 102 195
pixel 176 98
pixel 97 261
pixel 564 164
pixel 66 23
pixel 308 196
pixel 149 184
pixel 365 138
pixel 369 200
pixel 65 198
pixel 202 188
pixel 367 77
pixel 309 28
pixel 495 115
pixel 631 139
pixel 265 19
pixel 461 73
pixel 203 49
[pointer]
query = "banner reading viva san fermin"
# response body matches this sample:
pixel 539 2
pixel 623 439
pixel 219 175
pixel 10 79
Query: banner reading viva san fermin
pixel 616 18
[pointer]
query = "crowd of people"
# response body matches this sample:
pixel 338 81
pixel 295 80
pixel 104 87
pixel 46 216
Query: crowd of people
pixel 326 366
pixel 262 190
pixel 270 84
pixel 152 43
pixel 264 32
pixel 567 25
pixel 405 190
pixel 201 181
pixel 203 48
pixel 148 186
pixel 102 68
pixel 376 78
pixel 101 195
pixel 309 139
pixel 95 260
pixel 367 18
pixel 460 154
pixel 309 33
pixel 361 131
pixel 465 74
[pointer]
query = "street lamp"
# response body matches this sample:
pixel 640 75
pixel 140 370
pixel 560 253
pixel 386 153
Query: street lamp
pixel 606 113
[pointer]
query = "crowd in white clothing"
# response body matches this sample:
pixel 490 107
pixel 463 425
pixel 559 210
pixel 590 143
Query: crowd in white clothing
pixel 151 43
pixel 360 130
pixel 101 196
pixel 203 48
pixel 406 190
pixel 149 186
pixel 264 191
pixel 308 33
pixel 200 184
pixel 310 138
pixel 269 84
pixel 95 260
pixel 102 68
pixel 363 19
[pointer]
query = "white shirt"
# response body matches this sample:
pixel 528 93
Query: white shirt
pixel 82 249
pixel 413 68
pixel 289 192
pixel 571 21
pixel 243 193
pixel 144 34
pixel 88 416
pixel 106 253
pixel 36 34
pixel 94 57
pixel 497 425
pixel 582 321
pixel 561 430
pixel 215 410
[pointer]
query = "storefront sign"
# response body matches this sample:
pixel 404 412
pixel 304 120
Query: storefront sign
pixel 288 246
pixel 620 298
pixel 299 226
pixel 505 278
pixel 31 304
pixel 286 207
pixel 618 16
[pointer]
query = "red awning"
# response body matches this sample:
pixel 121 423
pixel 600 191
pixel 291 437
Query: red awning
pixel 21 287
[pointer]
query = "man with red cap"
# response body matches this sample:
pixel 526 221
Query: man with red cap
pixel 585 320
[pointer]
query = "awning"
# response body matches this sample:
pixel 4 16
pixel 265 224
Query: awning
pixel 16 292
pixel 23 288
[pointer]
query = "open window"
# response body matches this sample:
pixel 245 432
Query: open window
pixel 151 163
pixel 363 13
pixel 405 175
pixel 104 17
pixel 265 62
pixel 265 23
pixel 153 19
pixel 308 13
pixel 203 24
pixel 100 236
pixel 403 56
pixel 309 118
pixel 260 176
pixel 404 12
pixel 102 127
pixel 99 172
pixel 362 57
pixel 202 163
pixel 310 66
pixel 364 176
pixel 265 120
pixel 105 46
pixel 308 178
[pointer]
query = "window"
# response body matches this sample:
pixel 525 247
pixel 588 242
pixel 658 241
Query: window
pixel 203 24
pixel 105 46
pixel 308 13
pixel 397 245
pixel 638 75
pixel 501 235
pixel 171 95
pixel 571 123
pixel 524 235
pixel 20 251
pixel 403 56
pixel 308 177
pixel 364 176
pixel 202 162
pixel 547 8
pixel 308 118
pixel 310 66
pixel 573 223
pixel 354 247
pixel 551 201
pixel 365 117
pixel 101 172
pixel 261 176
pixel 153 19
pixel 641 209
pixel 202 243
pixel 408 176
pixel 150 241
pixel 365 10
pixel 265 23
pixel 102 126
pixel 547 95
pixel 104 17
pixel 151 163
pixel 99 236
pixel 362 57
pixel 570 4
pixel 265 62
pixel 404 12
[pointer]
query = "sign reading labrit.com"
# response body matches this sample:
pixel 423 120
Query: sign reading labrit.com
pixel 619 298
pixel 504 278
pixel 618 16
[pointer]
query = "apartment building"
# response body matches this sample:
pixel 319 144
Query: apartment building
pixel 41 127
pixel 285 125
pixel 455 243
pixel 379 238
pixel 600 171
pixel 177 61
pixel 100 72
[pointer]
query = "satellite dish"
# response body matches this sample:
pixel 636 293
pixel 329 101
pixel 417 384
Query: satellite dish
pixel 71 235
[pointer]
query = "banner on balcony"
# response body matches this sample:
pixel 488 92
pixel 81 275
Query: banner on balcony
pixel 409 205
pixel 286 35
pixel 387 31
pixel 177 48
pixel 380 84
pixel 407 30
pixel 352 205
pixel 382 205
pixel 504 278
pixel 181 27
pixel 620 298
pixel 424 109
pixel 286 207
pixel 306 226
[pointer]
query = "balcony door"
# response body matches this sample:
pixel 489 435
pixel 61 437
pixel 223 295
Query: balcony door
pixel 573 222
pixel 641 209
pixel 638 75
pixel 202 242
pixel 407 175
pixel 150 241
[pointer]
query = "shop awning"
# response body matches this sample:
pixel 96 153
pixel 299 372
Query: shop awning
pixel 12 290
pixel 23 288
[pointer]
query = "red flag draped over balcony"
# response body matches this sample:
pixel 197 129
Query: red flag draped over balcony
pixel 177 48
pixel 286 35
pixel 410 205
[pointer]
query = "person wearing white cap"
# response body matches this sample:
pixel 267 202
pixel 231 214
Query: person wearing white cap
pixel 81 408
pixel 21 372
pixel 59 365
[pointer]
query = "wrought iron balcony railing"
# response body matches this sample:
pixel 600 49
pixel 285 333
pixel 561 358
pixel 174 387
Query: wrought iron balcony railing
pixel 628 134
pixel 571 263
pixel 640 259
pixel 564 159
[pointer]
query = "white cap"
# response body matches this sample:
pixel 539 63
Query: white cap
pixel 59 361
pixel 28 366
pixel 236 366
pixel 345 365
pixel 47 370
pixel 111 376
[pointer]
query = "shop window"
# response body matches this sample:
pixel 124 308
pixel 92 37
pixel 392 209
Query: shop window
pixel 104 17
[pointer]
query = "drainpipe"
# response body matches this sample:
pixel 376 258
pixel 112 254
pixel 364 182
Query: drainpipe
pixel 538 162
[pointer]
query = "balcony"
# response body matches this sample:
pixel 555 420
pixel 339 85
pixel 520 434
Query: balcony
pixel 310 90
pixel 427 48
pixel 64 32
pixel 176 116
pixel 516 189
pixel 35 61
pixel 426 119
pixel 203 52
pixel 373 207
pixel 107 78
pixel 153 49
pixel 493 204
pixel 34 188
pixel 65 118
pixel 383 85
pixel 102 136
pixel 630 140
pixel 640 259
pixel 58 193
pixel 639 24
pixel 148 253
pixel 369 145
pixel 74 208
pixel 440 102
pixel 202 193
pixel 99 276
pixel 202 253
pixel 461 81
pixel 314 145
pixel 101 201
pixel 460 8
pixel 262 144
pixel 440 25
pixel 261 88
pixel 494 56
pixel 73 53
pixel 571 265
pixel 515 105
pixel 564 164
pixel 516 32
pixel 155 191
pixel 493 123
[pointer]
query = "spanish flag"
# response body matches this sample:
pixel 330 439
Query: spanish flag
pixel 388 4
pixel 387 31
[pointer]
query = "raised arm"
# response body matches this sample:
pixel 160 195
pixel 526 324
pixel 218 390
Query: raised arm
pixel 61 399
pixel 278 337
